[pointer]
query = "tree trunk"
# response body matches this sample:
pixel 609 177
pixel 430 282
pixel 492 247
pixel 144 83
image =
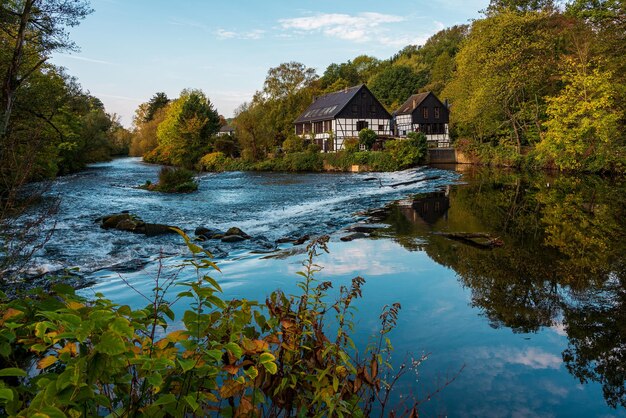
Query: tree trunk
pixel 11 81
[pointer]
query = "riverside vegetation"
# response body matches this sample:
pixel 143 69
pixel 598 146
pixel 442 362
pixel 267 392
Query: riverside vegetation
pixel 533 83
pixel 63 355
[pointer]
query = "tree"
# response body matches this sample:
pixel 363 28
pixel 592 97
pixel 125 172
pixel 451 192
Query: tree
pixel 503 72
pixel 158 101
pixel 394 85
pixel 583 126
pixel 520 6
pixel 367 137
pixel 37 29
pixel 253 131
pixel 189 123
pixel 287 79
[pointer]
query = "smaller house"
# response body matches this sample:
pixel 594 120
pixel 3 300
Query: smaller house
pixel 335 117
pixel 226 130
pixel 424 112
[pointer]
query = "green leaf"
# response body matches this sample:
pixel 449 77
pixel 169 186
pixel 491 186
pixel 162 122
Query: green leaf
pixel 272 368
pixel 187 364
pixel 12 371
pixel 266 358
pixel 192 402
pixel 111 344
pixel 121 326
pixel 6 394
pixel 165 399
pixel 234 349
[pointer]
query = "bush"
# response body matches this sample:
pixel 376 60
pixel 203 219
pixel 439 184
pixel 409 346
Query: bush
pixel 227 145
pixel 173 180
pixel 351 144
pixel 230 358
pixel 160 155
pixel 293 144
pixel 367 137
pixel 407 152
pixel 313 148
pixel 214 161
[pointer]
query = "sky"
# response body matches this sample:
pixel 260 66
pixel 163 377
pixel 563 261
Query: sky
pixel 131 49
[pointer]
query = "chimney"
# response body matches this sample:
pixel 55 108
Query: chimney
pixel 446 103
pixel 414 103
pixel 345 90
pixel 314 99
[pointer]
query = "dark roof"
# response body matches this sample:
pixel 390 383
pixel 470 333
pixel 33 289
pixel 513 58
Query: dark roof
pixel 412 103
pixel 328 106
pixel 227 128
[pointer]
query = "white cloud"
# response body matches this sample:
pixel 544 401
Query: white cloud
pixel 227 34
pixel 358 28
pixel 86 59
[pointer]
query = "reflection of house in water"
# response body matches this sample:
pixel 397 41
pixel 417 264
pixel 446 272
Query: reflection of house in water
pixel 427 208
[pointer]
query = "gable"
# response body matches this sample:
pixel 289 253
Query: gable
pixel 364 105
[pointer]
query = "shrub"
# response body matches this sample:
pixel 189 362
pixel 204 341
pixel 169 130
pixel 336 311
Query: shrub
pixel 313 148
pixel 213 161
pixel 407 152
pixel 351 144
pixel 173 180
pixel 293 143
pixel 227 145
pixel 367 137
pixel 232 358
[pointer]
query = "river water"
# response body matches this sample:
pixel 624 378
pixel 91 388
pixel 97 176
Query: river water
pixel 538 325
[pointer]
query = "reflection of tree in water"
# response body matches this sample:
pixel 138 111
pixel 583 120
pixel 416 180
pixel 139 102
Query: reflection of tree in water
pixel 563 258
pixel 596 329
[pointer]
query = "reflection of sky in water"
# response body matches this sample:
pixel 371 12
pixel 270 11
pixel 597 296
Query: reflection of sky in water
pixel 506 374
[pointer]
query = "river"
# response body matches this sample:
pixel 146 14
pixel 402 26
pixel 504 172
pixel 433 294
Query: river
pixel 537 325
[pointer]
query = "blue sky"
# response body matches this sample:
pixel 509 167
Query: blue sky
pixel 131 49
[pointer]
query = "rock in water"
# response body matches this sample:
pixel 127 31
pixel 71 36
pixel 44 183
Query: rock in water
pixel 132 223
pixel 236 231
pixel 233 238
pixel 352 237
pixel 301 240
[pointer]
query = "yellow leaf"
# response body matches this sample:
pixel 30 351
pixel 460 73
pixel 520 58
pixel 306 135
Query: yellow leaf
pixel 230 389
pixel 69 348
pixel 46 362
pixel 177 336
pixel 75 305
pixel 11 313
pixel 232 369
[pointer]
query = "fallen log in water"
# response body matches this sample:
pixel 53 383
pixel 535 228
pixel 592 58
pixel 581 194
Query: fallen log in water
pixel 480 240
pixel 406 183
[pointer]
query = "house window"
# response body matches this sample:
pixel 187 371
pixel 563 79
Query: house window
pixel 373 109
pixel 425 110
pixel 381 127
pixel 360 125
pixel 355 108
pixel 362 147
pixel 437 113
pixel 403 133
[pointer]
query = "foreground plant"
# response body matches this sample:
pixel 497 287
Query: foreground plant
pixel 63 355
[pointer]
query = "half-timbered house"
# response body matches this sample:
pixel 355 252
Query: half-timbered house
pixel 333 118
pixel 424 112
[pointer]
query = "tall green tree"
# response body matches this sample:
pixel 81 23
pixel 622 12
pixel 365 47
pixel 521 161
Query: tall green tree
pixel 507 66
pixel 583 126
pixel 394 85
pixel 189 124
pixel 34 29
